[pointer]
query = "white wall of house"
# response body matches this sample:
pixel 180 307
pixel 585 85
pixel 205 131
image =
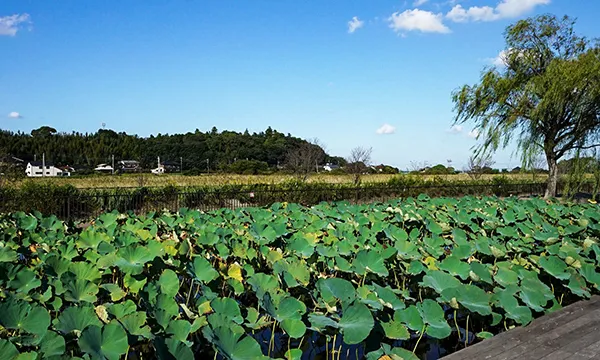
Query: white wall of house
pixel 37 171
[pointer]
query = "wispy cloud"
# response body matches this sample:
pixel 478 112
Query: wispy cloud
pixel 500 59
pixel 15 115
pixel 418 20
pixel 419 2
pixel 10 25
pixel 386 129
pixel 473 134
pixel 355 24
pixel 456 129
pixel 505 9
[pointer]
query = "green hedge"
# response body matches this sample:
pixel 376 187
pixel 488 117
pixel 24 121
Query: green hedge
pixel 69 202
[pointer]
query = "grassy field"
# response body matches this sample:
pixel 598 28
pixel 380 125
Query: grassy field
pixel 107 181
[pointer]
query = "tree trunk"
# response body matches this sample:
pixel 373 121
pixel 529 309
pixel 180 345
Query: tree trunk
pixel 552 177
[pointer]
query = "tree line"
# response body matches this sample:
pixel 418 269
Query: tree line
pixel 199 151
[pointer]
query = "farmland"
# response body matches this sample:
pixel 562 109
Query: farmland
pixel 412 278
pixel 232 179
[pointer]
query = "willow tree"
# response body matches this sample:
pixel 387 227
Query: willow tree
pixel 545 99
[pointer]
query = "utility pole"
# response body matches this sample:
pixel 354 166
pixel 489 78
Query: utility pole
pixel 208 166
pixel 43 164
pixel 181 164
pixel 113 164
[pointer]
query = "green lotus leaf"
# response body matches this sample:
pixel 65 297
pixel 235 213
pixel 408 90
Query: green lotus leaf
pixel 370 261
pixel 578 286
pixel 76 319
pixel 320 322
pixel 262 284
pixel 180 329
pixel 133 284
pixel 505 276
pixel 168 283
pixel 411 317
pixel 121 309
pixel 484 335
pixel 481 272
pixel 90 239
pixel 24 281
pixel 85 271
pixel 52 344
pixel 333 289
pixel 28 222
pixel 387 352
pixel 588 271
pixel 228 308
pixel 59 265
pixel 135 324
pixel 81 291
pixel 395 330
pixel 202 270
pixel 433 316
pixel 509 303
pixel 108 342
pixel 289 313
pixel 535 294
pixel 471 297
pixel 132 259
pixel 235 346
pixel 439 281
pixel 356 323
pixel 554 266
pixel 455 267
pixel 19 315
pixel 388 297
pixel 7 255
pixel 115 291
pixel 293 354
pixel 407 250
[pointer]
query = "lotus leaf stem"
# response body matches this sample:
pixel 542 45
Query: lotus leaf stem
pixel 456 324
pixel 419 339
pixel 467 331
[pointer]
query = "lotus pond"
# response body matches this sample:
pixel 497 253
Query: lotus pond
pixel 417 278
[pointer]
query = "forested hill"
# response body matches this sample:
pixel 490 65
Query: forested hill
pixel 88 150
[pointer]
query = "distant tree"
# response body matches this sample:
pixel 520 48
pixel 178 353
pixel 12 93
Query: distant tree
pixel 546 97
pixel 417 167
pixel 306 158
pixel 478 165
pixel 43 131
pixel 10 170
pixel 358 162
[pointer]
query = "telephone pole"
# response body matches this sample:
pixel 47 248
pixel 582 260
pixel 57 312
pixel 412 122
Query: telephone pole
pixel 208 166
pixel 113 164
pixel 43 164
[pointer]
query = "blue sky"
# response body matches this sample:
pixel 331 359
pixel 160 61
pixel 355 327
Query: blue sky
pixel 336 70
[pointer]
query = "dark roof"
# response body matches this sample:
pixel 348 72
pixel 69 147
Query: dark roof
pixel 39 163
pixel 170 163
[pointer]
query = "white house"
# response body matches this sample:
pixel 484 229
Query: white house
pixel 330 167
pixel 36 169
pixel 104 168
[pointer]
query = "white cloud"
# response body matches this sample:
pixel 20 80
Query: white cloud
pixel 418 20
pixel 419 2
pixel 456 129
pixel 355 24
pixel 386 129
pixel 505 9
pixel 10 25
pixel 500 60
pixel 15 115
pixel 473 134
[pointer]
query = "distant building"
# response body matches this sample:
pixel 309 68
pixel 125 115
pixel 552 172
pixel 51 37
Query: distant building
pixel 104 168
pixel 128 166
pixel 37 169
pixel 171 166
pixel 330 167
